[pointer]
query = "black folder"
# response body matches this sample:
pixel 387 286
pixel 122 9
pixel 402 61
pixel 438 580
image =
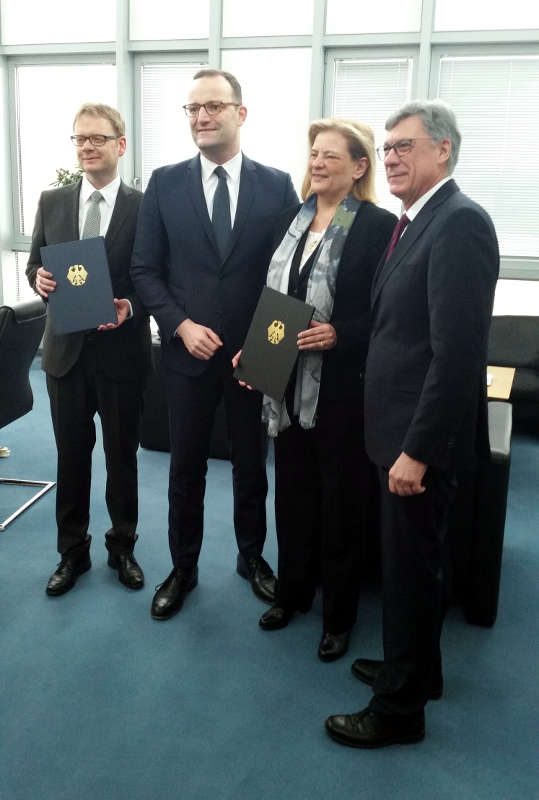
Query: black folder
pixel 270 349
pixel 83 297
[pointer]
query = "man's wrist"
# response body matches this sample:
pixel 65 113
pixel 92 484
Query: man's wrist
pixel 178 331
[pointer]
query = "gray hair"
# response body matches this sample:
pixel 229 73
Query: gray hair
pixel 438 120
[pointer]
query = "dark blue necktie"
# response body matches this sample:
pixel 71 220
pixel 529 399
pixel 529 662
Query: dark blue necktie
pixel 221 212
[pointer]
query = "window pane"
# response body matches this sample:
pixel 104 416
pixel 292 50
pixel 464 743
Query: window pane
pixel 389 16
pixel 275 132
pixel 43 136
pixel 516 298
pixel 243 18
pixel 461 15
pixel 169 19
pixel 55 21
pixel 499 134
pixel 15 286
pixel 166 136
pixel 368 91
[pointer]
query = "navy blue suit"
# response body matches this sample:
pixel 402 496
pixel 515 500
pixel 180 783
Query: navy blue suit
pixel 179 274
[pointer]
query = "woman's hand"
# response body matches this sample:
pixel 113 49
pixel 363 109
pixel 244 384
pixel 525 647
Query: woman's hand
pixel 235 362
pixel 319 336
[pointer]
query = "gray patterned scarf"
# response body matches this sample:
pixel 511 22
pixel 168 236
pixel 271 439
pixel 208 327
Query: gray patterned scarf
pixel 320 294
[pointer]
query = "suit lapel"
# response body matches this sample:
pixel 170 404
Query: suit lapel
pixel 196 195
pixel 412 233
pixel 119 213
pixel 247 193
pixel 72 212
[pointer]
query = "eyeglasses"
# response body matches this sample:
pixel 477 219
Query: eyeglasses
pixel 212 108
pixel 97 140
pixel 402 147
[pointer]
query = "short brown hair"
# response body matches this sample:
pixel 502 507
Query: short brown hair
pixel 232 80
pixel 102 110
pixel 360 141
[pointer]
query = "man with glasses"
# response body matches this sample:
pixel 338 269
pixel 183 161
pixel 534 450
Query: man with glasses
pixel 99 371
pixel 425 409
pixel 202 248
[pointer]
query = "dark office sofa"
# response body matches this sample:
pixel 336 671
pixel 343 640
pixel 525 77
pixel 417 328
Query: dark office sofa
pixel 154 427
pixel 514 342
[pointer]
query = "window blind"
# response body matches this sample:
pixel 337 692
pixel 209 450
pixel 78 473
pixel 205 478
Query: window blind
pixel 166 136
pixel 368 90
pixel 496 100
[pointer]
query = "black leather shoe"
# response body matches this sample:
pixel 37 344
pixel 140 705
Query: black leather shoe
pixel 368 669
pixel 66 574
pixel 333 646
pixel 129 571
pixel 275 618
pixel 170 595
pixel 370 729
pixel 260 575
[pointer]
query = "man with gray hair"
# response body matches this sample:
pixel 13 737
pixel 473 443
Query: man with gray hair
pixel 425 409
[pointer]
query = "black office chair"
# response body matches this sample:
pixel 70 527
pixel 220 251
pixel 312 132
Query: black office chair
pixel 21 329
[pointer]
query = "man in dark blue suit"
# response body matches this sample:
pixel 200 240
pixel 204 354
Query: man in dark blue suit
pixel 201 253
pixel 425 408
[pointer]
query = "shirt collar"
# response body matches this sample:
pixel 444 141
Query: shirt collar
pixel 109 191
pixel 232 167
pixel 416 207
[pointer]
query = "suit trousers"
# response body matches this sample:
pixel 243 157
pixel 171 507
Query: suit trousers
pixel 323 482
pixel 74 399
pixel 192 402
pixel 415 590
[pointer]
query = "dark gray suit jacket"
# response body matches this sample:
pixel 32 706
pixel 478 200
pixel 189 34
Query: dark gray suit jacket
pixel 425 391
pixel 123 353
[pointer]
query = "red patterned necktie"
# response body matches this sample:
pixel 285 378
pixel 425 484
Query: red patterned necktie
pixel 397 233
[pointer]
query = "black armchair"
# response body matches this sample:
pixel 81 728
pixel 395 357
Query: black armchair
pixel 21 329
pixel 477 523
pixel 476 526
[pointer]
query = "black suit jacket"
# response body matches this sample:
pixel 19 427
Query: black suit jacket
pixel 123 353
pixel 367 239
pixel 176 268
pixel 425 379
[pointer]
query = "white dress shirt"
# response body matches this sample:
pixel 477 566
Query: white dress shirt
pixel 210 181
pixel 416 207
pixel 106 207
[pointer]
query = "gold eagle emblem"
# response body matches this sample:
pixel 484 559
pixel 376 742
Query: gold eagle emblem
pixel 77 275
pixel 276 332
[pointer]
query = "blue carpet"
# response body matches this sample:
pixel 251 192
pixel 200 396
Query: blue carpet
pixel 100 701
